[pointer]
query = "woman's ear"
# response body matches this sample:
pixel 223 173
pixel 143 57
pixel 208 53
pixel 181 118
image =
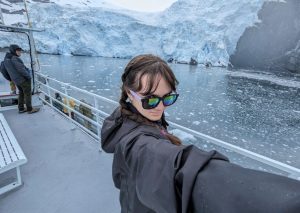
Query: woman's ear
pixel 129 95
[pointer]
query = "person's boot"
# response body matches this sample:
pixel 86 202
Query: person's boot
pixel 22 110
pixel 33 110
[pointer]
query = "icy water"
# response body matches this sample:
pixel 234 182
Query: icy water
pixel 256 111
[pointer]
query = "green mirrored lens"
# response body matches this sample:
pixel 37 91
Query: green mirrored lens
pixel 153 101
pixel 169 100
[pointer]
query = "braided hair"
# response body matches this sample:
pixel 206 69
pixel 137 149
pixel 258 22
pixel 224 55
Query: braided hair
pixel 154 68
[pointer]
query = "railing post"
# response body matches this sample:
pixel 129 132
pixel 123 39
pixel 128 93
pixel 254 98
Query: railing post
pixel 97 114
pixel 48 90
pixel 67 101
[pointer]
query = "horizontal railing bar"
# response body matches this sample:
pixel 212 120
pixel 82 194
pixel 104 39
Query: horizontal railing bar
pixel 73 110
pixel 73 121
pixel 78 89
pixel 76 100
pixel 244 152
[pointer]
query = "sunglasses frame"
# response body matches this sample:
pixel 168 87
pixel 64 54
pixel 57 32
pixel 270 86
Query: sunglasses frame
pixel 144 100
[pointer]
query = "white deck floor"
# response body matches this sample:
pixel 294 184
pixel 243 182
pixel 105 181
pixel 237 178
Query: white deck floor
pixel 65 171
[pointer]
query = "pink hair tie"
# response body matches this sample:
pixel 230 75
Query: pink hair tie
pixel 163 132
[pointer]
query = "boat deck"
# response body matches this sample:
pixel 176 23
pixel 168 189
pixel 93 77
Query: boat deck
pixel 65 171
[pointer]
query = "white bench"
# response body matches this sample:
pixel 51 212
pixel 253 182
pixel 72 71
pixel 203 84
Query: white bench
pixel 11 155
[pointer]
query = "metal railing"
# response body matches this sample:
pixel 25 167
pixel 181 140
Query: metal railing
pixel 90 118
pixel 100 115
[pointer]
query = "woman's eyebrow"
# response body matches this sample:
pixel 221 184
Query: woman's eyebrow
pixel 163 95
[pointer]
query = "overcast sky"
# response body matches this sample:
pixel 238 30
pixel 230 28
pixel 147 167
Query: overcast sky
pixel 144 5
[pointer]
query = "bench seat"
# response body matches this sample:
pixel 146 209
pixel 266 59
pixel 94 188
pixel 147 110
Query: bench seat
pixel 11 154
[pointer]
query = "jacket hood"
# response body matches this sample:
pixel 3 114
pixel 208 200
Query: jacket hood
pixel 8 56
pixel 114 128
pixel 13 48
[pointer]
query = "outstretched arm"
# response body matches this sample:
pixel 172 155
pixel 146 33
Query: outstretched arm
pixel 226 187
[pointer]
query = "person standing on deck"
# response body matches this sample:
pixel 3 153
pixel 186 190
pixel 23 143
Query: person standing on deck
pixel 20 75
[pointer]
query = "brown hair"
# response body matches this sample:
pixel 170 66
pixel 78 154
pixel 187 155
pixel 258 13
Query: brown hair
pixel 154 68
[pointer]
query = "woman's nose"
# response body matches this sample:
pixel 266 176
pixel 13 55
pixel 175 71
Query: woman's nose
pixel 161 106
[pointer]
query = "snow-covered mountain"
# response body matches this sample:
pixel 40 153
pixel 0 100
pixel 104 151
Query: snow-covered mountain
pixel 205 30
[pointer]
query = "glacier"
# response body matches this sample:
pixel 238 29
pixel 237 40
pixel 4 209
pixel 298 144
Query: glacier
pixel 204 30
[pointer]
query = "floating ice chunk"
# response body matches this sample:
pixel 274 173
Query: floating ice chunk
pixel 178 119
pixel 196 122
pixel 91 81
pixel 183 135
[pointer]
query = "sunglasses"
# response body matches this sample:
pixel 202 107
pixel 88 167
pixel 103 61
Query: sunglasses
pixel 152 101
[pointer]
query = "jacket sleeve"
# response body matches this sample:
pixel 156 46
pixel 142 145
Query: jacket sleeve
pixel 20 67
pixel 226 187
pixel 4 72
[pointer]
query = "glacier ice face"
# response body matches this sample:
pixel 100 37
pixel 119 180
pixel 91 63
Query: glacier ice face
pixel 205 30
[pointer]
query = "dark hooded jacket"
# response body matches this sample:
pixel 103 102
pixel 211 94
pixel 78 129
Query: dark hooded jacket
pixel 15 68
pixel 154 175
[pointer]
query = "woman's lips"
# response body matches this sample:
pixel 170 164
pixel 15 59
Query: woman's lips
pixel 156 113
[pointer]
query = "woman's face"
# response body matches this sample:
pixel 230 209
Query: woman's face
pixel 162 89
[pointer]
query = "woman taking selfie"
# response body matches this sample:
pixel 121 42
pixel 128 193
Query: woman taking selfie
pixel 156 173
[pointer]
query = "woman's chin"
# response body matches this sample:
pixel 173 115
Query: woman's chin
pixel 154 117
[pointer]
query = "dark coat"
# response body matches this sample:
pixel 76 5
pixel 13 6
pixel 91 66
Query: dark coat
pixel 154 175
pixel 15 69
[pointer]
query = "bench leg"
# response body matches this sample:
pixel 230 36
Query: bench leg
pixel 13 185
pixel 19 179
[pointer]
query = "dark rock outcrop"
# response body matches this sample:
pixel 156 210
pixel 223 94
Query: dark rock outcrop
pixel 290 61
pixel 274 43
pixel 193 62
